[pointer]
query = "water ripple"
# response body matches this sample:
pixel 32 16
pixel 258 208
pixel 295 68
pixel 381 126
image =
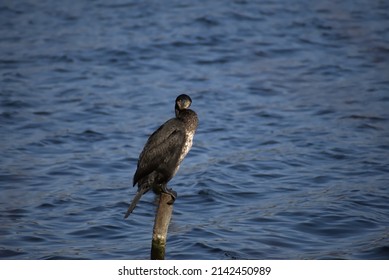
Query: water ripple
pixel 290 158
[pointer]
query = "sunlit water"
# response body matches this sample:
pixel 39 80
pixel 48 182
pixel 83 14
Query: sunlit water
pixel 290 160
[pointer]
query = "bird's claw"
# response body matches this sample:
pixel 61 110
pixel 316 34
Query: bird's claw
pixel 172 193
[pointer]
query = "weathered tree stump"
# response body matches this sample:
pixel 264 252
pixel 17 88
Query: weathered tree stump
pixel 161 225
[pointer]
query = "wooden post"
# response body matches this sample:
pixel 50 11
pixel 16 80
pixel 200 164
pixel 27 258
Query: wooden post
pixel 161 224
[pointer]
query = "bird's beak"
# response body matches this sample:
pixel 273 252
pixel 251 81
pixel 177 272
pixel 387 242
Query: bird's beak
pixel 185 104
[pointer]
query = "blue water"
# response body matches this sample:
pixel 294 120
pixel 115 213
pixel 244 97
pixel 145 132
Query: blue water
pixel 290 160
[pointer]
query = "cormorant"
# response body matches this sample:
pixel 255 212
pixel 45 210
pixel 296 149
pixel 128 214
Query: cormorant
pixel 164 151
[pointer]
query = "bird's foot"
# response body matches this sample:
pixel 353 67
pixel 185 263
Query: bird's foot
pixel 172 193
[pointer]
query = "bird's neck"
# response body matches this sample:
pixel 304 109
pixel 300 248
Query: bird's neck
pixel 189 117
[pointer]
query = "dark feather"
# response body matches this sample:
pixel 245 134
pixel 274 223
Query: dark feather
pixel 162 150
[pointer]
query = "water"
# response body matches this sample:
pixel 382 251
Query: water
pixel 290 160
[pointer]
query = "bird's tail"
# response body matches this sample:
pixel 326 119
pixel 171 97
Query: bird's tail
pixel 135 200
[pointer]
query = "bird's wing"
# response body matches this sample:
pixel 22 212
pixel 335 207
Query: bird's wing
pixel 163 146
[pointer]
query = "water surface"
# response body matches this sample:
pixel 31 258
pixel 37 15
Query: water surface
pixel 290 160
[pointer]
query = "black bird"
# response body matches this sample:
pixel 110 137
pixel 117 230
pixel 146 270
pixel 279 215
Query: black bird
pixel 164 151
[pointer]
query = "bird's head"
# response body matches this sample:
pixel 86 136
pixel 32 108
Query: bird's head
pixel 183 101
